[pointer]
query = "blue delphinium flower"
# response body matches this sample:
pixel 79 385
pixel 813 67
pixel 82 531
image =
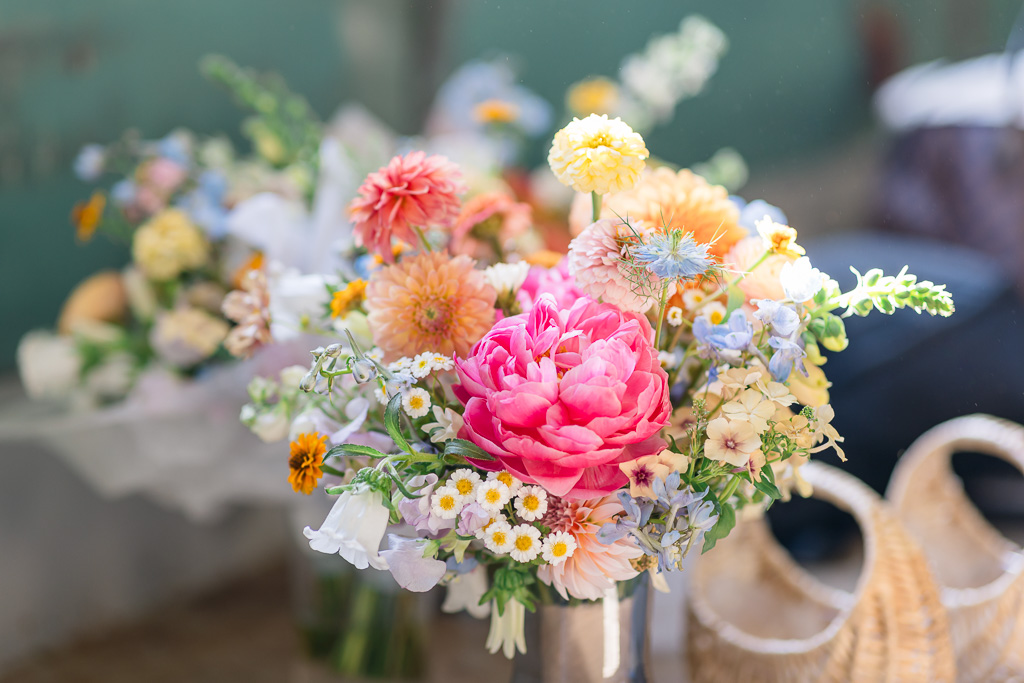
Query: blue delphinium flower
pixel 782 319
pixel 673 256
pixel 90 162
pixel 787 354
pixel 205 204
pixel 175 147
pixel 734 334
pixel 124 192
pixel 752 212
pixel 635 516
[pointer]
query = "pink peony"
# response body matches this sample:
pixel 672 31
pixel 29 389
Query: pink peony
pixel 554 281
pixel 561 396
pixel 414 190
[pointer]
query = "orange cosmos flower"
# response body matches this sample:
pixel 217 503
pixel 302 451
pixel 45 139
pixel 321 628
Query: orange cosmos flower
pixel 307 456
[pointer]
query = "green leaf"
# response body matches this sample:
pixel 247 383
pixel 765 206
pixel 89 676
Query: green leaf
pixel 354 449
pixel 466 449
pixel 403 490
pixel 736 299
pixel 766 484
pixel 393 423
pixel 724 525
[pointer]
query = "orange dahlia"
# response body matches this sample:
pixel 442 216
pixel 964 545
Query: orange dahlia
pixel 667 198
pixel 429 302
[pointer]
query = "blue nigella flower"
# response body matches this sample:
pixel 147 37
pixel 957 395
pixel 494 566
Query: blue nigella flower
pixel 205 204
pixel 175 148
pixel 787 354
pixel 673 256
pixel 123 192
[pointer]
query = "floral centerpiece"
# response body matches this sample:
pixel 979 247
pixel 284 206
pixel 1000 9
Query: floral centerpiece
pixel 530 429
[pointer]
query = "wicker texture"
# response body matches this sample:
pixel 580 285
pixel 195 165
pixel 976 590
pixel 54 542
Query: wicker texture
pixel 755 615
pixel 981 573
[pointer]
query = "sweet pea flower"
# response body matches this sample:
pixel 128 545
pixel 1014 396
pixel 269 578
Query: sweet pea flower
pixel 800 280
pixel 411 569
pixel 354 529
pixel 473 518
pixel 416 511
pixel 782 319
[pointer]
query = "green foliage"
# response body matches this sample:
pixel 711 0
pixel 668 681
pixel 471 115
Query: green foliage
pixel 887 293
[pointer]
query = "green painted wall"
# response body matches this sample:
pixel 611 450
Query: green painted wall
pixel 73 72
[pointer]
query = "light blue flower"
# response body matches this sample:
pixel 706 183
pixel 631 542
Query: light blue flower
pixel 734 334
pixel 782 319
pixel 754 211
pixel 673 256
pixel 406 563
pixel 800 280
pixel 124 192
pixel 89 163
pixel 175 147
pixel 701 517
pixel 787 354
pixel 205 204
pixel 635 516
pixel 476 82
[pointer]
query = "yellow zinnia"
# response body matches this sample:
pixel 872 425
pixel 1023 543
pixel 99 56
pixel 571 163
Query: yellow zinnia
pixel 598 154
pixel 169 244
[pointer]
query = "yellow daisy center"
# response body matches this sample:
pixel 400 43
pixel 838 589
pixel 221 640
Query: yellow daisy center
pixel 560 548
pixel 416 402
pixel 524 543
pixel 531 502
pixel 447 502
pixel 505 478
pixel 464 486
pixel 492 496
pixel 499 538
pixel 716 317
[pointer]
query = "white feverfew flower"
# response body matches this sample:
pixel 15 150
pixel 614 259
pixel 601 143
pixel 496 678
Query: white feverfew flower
pixel 670 360
pixel 525 543
pixel 446 426
pixel 674 317
pixel 446 502
pixel 492 495
pixel 531 503
pixel 421 365
pixel 693 297
pixel 416 402
pixel 498 537
pixel 465 482
pixel 558 547
pixel 506 278
pixel 714 312
pixel 496 519
pixel 506 478
pixel 375 354
pixel 441 363
pixel 403 364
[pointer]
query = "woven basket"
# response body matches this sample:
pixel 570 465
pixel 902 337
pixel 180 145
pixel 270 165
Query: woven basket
pixel 980 573
pixel 755 615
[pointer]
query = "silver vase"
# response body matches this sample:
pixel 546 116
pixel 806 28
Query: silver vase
pixel 605 640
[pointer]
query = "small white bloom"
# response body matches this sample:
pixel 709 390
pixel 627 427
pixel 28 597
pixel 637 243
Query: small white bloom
pixel 465 482
pixel 498 537
pixel 801 281
pixel 396 385
pixel 271 425
pixel 416 402
pixel 403 364
pixel 714 312
pixel 693 297
pixel 496 519
pixel 506 278
pixel 354 529
pixel 421 366
pixel 670 360
pixel 446 502
pixel 531 503
pixel 558 547
pixel 508 632
pixel 492 495
pixel 447 425
pixel 465 591
pixel 291 376
pixel 375 354
pixel 525 543
pixel 441 363
pixel 674 317
pixel 506 478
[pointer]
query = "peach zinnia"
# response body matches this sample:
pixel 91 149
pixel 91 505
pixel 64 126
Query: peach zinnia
pixel 665 198
pixel 412 191
pixel 429 302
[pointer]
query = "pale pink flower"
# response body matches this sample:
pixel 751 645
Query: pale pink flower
pixel 561 396
pixel 554 281
pixel 250 308
pixel 414 190
pixel 596 260
pixel 763 282
pixel 594 567
pixel 734 441
pixel 489 219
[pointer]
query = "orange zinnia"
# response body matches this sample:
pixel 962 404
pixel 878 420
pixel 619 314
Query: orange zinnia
pixel 306 460
pixel 86 216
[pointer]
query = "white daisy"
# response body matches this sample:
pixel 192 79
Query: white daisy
pixel 692 298
pixel 531 503
pixel 492 495
pixel 422 365
pixel 714 312
pixel 465 481
pixel 442 363
pixel 507 479
pixel 525 543
pixel 403 364
pixel 446 502
pixel 375 354
pixel 496 519
pixel 558 547
pixel 416 402
pixel 674 317
pixel 498 538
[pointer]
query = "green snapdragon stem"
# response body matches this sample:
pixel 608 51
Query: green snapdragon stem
pixel 595 199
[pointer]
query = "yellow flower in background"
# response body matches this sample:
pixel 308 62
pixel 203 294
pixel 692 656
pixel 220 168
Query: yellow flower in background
pixel 779 238
pixel 86 216
pixel 306 460
pixel 168 244
pixel 347 298
pixel 598 154
pixel 495 111
pixel 597 95
pixel 811 390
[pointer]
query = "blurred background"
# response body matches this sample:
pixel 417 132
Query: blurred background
pixel 793 95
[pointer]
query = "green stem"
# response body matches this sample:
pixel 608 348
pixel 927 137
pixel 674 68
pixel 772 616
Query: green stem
pixel 661 316
pixel 730 489
pixel 595 199
pixel 423 238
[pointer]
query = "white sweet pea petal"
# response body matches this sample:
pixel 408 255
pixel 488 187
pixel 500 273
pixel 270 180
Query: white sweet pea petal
pixel 465 591
pixel 406 563
pixel 354 529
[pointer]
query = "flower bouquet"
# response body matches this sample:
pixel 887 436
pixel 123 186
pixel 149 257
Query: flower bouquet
pixel 533 430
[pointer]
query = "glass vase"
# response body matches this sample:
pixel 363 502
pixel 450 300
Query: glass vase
pixel 601 640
